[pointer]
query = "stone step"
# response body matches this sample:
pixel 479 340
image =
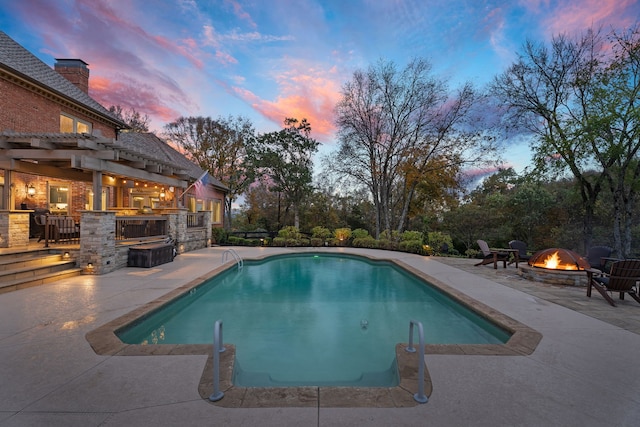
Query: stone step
pixel 38 279
pixel 28 260
pixel 28 272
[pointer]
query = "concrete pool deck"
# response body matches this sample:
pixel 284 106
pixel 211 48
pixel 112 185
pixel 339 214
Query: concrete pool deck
pixel 584 372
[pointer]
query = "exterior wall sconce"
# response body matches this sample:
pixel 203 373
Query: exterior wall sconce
pixel 65 255
pixel 90 268
pixel 31 190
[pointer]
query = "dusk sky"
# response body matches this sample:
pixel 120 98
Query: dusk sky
pixel 271 59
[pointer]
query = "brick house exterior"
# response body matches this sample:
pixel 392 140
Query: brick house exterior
pixel 59 148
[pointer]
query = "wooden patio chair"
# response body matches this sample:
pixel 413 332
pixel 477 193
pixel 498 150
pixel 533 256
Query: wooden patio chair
pixel 40 222
pixel 490 256
pixel 623 278
pixel 597 257
pixel 522 249
pixel 62 228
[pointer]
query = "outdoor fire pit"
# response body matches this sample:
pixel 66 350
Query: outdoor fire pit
pixel 556 266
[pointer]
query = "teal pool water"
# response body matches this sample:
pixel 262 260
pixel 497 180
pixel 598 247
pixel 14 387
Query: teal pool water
pixel 314 319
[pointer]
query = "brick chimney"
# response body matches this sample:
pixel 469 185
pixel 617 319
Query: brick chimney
pixel 74 70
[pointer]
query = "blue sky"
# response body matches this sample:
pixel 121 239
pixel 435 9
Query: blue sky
pixel 271 59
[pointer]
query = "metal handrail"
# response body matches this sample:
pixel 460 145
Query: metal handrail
pixel 419 397
pixel 218 348
pixel 235 256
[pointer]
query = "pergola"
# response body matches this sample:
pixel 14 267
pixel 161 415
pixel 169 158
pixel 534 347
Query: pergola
pixel 90 159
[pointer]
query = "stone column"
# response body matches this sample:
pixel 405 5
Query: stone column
pixel 181 230
pixel 14 228
pixel 97 242
pixel 208 224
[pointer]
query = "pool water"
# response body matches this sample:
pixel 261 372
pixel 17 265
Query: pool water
pixel 314 319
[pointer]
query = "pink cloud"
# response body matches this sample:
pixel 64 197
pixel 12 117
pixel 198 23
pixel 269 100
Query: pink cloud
pixel 474 174
pixel 130 66
pixel 131 95
pixel 241 13
pixel 305 92
pixel 571 16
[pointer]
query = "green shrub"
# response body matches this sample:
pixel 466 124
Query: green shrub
pixel 393 236
pixel 233 240
pixel 360 233
pixel 472 253
pixel 411 236
pixel 317 242
pixel 388 245
pixel 219 236
pixel 437 239
pixel 412 246
pixel 365 242
pixel 320 232
pixel 279 241
pixel 289 232
pixel 342 235
pixel 303 242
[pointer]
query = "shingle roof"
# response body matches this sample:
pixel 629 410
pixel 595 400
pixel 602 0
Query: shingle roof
pixel 150 143
pixel 15 57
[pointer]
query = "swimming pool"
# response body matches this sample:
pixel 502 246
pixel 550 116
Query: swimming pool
pixel 314 319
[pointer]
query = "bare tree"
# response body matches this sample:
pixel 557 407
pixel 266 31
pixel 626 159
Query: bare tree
pixel 545 91
pixel 134 119
pixel 219 147
pixel 613 123
pixel 395 128
pixel 579 99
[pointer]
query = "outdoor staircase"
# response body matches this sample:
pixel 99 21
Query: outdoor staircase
pixel 19 270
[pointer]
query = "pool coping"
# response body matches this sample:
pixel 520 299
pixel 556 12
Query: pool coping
pixel 523 341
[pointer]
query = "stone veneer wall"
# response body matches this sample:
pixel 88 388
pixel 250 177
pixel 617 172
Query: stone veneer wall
pixel 98 242
pixel 14 229
pixel 98 246
pixel 187 239
pixel 554 277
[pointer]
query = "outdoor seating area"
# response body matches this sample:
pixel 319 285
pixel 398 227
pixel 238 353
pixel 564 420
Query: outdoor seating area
pixel 568 360
pixel 623 278
pixel 599 257
pixel 521 247
pixel 494 256
pixel 57 229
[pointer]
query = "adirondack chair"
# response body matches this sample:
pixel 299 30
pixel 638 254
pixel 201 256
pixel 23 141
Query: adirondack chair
pixel 623 278
pixel 522 249
pixel 490 256
pixel 597 257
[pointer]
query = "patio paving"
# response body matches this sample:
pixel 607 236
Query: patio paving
pixel 626 315
pixel 584 371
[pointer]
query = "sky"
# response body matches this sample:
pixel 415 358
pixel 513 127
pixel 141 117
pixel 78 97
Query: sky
pixel 271 59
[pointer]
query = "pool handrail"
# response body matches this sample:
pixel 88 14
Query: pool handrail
pixel 218 347
pixel 235 256
pixel 419 397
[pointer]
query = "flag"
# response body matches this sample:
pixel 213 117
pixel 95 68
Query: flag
pixel 200 186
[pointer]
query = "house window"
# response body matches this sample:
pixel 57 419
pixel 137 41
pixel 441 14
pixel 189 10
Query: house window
pixel 70 124
pixel 216 214
pixel 89 199
pixel 59 198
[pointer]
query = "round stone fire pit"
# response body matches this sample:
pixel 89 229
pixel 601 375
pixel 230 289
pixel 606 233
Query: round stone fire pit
pixel 556 266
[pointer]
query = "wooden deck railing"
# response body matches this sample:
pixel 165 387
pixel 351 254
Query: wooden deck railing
pixel 195 219
pixel 138 226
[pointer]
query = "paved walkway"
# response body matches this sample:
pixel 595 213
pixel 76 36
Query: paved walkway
pixel 626 315
pixel 584 372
